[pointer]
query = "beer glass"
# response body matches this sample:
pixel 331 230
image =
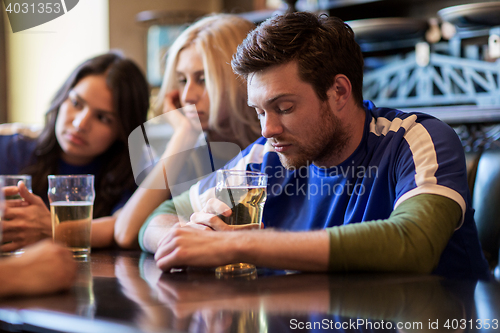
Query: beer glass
pixel 13 180
pixel 71 203
pixel 245 193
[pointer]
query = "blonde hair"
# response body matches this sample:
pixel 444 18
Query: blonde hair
pixel 216 38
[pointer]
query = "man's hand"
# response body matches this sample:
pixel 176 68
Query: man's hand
pixel 210 217
pixel 194 243
pixel 25 222
pixel 183 246
pixel 43 268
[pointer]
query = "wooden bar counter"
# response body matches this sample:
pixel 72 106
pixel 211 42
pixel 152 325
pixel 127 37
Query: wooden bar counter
pixel 124 291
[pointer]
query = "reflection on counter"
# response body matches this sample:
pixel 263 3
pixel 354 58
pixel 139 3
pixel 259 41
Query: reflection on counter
pixel 194 300
pixel 124 291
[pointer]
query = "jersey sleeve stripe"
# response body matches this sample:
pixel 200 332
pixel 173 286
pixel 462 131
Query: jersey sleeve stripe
pixel 382 125
pixel 424 155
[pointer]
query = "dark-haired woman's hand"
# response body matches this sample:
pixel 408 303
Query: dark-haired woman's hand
pixel 25 222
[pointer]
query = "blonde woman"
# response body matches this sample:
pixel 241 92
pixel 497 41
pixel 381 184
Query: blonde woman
pixel 199 79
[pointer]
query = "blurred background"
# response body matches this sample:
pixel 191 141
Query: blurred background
pixel 35 62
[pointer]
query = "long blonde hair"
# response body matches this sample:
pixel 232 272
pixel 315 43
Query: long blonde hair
pixel 216 38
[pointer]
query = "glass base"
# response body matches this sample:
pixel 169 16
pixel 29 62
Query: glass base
pixel 236 270
pixel 82 258
pixel 80 252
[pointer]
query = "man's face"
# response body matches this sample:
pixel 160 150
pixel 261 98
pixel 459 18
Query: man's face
pixel 301 128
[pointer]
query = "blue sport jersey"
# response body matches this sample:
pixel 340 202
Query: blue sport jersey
pixel 400 156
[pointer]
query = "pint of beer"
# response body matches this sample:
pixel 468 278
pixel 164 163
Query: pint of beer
pixel 71 203
pixel 247 204
pixel 245 193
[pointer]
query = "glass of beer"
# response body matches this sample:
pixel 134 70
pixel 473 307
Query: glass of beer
pixel 71 203
pixel 245 193
pixel 13 180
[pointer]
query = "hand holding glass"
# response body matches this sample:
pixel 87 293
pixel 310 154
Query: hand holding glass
pixel 245 193
pixel 2 207
pixel 71 204
pixel 13 180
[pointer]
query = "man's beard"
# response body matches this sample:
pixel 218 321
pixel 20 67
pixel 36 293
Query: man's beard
pixel 321 145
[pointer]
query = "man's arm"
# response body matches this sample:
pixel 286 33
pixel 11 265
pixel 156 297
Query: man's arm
pixel 410 240
pixel 306 251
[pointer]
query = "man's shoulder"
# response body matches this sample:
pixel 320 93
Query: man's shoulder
pixel 391 114
pixel 385 120
pixel 414 135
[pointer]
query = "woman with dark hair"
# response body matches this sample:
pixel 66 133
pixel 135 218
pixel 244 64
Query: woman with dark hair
pixel 86 132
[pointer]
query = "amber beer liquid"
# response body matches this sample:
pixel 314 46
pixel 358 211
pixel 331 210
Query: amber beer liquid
pixel 248 205
pixel 71 223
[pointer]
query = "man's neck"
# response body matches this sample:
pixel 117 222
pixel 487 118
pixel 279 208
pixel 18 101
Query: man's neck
pixel 354 122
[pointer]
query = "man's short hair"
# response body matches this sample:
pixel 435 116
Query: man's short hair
pixel 322 46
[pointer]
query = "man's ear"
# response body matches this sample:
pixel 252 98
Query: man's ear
pixel 340 91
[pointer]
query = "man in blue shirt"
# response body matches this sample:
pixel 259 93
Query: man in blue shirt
pixel 351 186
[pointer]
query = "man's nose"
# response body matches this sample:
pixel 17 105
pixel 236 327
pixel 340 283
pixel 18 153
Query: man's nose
pixel 271 125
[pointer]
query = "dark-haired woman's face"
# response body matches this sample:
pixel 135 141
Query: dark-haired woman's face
pixel 87 124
